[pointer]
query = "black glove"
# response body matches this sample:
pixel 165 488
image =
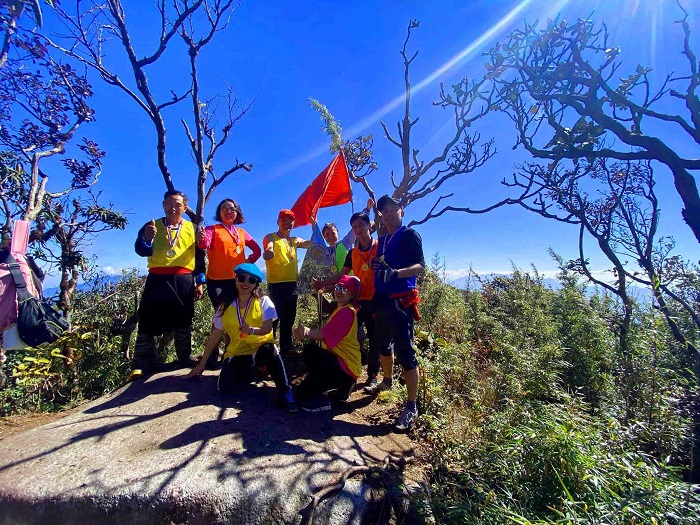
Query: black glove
pixel 377 263
pixel 387 273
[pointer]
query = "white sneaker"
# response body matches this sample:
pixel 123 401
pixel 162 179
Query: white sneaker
pixel 375 388
pixel 406 419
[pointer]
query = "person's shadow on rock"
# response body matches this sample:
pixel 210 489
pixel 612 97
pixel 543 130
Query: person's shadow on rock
pixel 261 425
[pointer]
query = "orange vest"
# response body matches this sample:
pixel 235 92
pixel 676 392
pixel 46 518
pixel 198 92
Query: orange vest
pixel 362 269
pixel 224 254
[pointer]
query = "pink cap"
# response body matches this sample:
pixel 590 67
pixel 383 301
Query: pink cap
pixel 353 284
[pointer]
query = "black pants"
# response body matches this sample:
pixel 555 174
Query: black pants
pixel 324 373
pixel 285 301
pixel 219 290
pixel 239 369
pixel 365 317
pixel 396 334
pixel 167 304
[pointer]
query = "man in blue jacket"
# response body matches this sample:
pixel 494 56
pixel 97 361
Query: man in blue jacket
pixel 399 260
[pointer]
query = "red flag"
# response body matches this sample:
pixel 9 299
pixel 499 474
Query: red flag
pixel 330 188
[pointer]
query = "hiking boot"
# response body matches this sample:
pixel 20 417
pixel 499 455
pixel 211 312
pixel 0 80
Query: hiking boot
pixel 289 404
pixel 319 404
pixel 136 373
pixel 370 385
pixel 406 419
pixel 376 387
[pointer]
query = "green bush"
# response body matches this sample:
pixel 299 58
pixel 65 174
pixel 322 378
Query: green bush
pixel 527 423
pixel 442 308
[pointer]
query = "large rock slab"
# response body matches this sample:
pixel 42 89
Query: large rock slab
pixel 170 450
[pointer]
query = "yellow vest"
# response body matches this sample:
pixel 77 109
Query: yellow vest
pixel 348 349
pixel 251 343
pixel 184 247
pixel 282 267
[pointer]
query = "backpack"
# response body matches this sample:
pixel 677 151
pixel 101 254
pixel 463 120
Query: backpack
pixel 37 321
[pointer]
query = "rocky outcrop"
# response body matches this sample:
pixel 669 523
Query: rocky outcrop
pixel 172 451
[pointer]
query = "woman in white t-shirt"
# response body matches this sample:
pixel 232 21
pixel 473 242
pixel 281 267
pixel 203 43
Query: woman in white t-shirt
pixel 247 318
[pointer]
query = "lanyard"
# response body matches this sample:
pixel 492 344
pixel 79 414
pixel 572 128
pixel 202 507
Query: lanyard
pixel 242 335
pixel 365 258
pixel 388 238
pixel 287 242
pixel 233 231
pixel 172 240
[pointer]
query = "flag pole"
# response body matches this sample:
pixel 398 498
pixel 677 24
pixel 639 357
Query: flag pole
pixel 319 303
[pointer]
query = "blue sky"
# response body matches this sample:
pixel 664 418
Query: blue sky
pixel 347 56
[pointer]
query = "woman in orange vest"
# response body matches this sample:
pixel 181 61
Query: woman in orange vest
pixel 225 244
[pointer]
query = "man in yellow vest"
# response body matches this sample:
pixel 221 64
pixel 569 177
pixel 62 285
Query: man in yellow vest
pixel 282 273
pixel 173 284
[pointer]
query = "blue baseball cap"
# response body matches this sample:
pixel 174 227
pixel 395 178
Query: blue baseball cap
pixel 250 269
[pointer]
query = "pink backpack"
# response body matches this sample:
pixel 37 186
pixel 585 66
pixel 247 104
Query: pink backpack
pixel 8 292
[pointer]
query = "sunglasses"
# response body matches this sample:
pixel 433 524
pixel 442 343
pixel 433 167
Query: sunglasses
pixel 249 278
pixel 341 289
pixel 228 209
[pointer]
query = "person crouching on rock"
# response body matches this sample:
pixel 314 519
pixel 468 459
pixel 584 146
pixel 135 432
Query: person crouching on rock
pixel 334 365
pixel 247 316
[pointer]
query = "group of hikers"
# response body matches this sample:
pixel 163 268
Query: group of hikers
pixel 373 284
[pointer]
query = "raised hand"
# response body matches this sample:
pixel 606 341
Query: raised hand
pixel 299 332
pixel 377 263
pixel 316 284
pixel 149 232
pixel 200 235
pixel 246 329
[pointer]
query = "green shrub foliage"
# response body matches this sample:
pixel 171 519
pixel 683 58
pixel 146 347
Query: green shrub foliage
pixel 94 357
pixel 533 416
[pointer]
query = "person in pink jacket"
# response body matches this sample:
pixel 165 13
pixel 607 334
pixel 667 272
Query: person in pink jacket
pixel 225 244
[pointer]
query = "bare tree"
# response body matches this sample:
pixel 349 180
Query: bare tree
pixel 72 222
pixel 90 28
pixel 469 101
pixel 560 86
pixel 615 203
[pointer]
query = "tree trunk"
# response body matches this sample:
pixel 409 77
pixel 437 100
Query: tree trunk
pixel 688 191
pixel 69 281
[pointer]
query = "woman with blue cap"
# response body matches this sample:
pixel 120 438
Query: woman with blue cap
pixel 246 316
